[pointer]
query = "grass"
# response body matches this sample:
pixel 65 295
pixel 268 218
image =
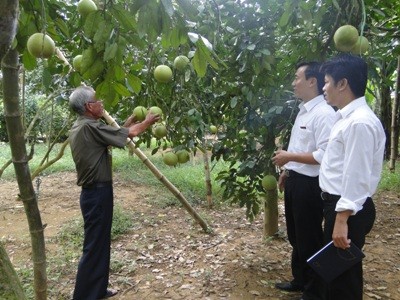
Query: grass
pixel 390 181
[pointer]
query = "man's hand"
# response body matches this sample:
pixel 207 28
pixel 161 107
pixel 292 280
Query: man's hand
pixel 130 121
pixel 281 181
pixel 151 118
pixel 340 230
pixel 281 158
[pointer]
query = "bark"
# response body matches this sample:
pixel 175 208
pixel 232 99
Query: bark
pixel 10 285
pixel 20 159
pixel 394 134
pixel 207 176
pixel 8 24
pixel 271 213
pixel 162 178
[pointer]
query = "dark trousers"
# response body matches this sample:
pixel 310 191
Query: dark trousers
pixel 304 215
pixel 349 285
pixel 93 270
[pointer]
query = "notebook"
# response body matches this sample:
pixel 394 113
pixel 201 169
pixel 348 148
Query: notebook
pixel 330 261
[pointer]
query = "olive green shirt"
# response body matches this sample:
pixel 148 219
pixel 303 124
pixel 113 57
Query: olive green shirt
pixel 89 141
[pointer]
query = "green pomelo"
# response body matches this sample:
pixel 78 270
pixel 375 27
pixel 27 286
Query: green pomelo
pixel 170 159
pixel 160 131
pixel 345 37
pixel 181 62
pixel 77 62
pixel 163 73
pixel 269 182
pixel 183 156
pixel 85 7
pixel 140 112
pixel 361 47
pixel 41 45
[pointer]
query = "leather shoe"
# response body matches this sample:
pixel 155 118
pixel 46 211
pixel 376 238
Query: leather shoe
pixel 110 293
pixel 288 287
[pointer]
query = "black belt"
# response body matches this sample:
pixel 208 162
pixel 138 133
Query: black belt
pixel 291 173
pixel 329 197
pixel 95 185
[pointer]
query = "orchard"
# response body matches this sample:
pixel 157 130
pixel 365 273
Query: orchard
pixel 206 67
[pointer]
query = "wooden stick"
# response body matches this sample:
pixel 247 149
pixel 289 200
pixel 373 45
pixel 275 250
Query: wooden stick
pixel 160 176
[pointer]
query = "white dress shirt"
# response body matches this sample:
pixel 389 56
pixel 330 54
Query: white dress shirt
pixel 310 134
pixel 353 160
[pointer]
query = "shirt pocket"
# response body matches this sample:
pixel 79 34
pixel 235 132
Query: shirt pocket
pixel 305 139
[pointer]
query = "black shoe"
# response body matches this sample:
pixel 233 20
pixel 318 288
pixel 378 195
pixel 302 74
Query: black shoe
pixel 288 287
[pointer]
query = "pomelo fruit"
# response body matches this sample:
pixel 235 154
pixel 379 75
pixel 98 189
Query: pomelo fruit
pixel 140 112
pixel 85 7
pixel 77 62
pixel 181 62
pixel 269 182
pixel 163 73
pixel 345 37
pixel 183 156
pixel 41 45
pixel 159 131
pixel 170 158
pixel 361 47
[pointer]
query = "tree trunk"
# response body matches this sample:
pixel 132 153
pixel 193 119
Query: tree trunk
pixel 207 174
pixel 10 286
pixel 271 213
pixel 20 161
pixel 8 24
pixel 394 134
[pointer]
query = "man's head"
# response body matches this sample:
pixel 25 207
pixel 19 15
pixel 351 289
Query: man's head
pixel 346 78
pixel 83 101
pixel 308 81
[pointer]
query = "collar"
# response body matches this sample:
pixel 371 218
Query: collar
pixel 352 106
pixel 309 105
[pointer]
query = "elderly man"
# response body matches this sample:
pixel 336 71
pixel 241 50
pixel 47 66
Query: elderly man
pixel 89 140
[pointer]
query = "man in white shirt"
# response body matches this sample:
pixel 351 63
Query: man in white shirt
pixel 351 167
pixel 303 204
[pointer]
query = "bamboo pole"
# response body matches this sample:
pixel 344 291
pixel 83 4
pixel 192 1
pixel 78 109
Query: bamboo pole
pixel 160 176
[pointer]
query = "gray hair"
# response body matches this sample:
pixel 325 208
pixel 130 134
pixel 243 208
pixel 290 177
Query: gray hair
pixel 80 97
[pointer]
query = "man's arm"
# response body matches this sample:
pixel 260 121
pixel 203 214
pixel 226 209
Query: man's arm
pixel 282 157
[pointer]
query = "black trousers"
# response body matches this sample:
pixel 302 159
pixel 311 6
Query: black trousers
pixel 93 270
pixel 349 285
pixel 304 215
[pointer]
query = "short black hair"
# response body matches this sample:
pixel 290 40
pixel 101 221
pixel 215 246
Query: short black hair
pixel 350 67
pixel 313 69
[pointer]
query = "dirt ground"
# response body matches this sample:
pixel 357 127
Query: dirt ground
pixel 166 255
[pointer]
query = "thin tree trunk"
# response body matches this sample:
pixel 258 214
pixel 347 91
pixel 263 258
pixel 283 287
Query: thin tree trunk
pixel 207 174
pixel 20 161
pixel 10 285
pixel 161 177
pixel 271 213
pixel 394 134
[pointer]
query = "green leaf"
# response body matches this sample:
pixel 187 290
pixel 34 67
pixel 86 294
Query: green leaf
pixel 111 51
pixel 119 72
pixel 102 35
pixel 283 21
pixel 46 78
pixel 168 7
pixel 134 83
pixel 29 61
pixel 121 89
pixel 92 23
pixel 233 102
pixel 88 58
pixel 124 17
pixel 199 63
